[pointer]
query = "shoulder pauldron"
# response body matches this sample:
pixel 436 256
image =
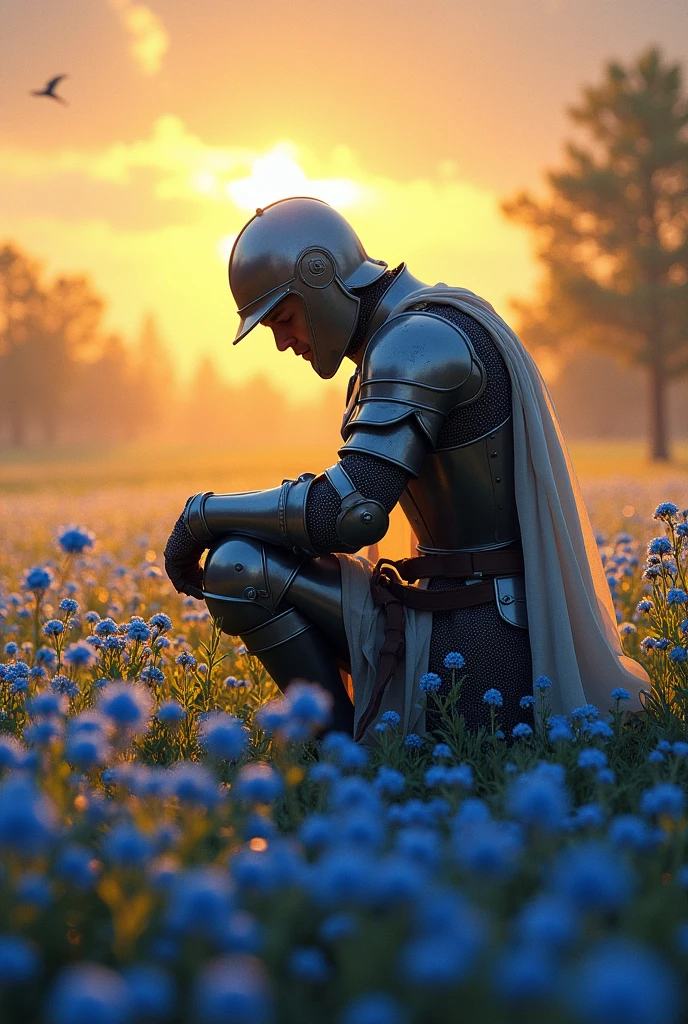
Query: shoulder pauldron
pixel 418 368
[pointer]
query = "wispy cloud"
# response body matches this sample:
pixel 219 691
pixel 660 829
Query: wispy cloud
pixel 149 37
pixel 153 220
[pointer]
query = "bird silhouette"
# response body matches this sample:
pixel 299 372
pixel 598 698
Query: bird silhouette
pixel 49 89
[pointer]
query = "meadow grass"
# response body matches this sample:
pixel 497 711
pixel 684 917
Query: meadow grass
pixel 174 846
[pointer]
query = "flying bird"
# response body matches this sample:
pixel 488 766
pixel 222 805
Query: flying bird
pixel 49 89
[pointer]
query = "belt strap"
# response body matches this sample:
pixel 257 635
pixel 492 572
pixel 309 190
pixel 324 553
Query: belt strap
pixel 393 595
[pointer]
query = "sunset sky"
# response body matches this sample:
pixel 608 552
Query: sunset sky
pixel 412 118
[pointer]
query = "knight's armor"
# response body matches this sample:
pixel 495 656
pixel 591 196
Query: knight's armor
pixel 428 423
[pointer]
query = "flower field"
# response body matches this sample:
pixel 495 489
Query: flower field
pixel 175 845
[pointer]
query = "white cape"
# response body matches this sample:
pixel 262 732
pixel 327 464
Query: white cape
pixel 574 637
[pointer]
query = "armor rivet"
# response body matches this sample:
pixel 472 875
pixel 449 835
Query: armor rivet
pixel 250 593
pixel 239 567
pixel 493 455
pixel 259 212
pixel 498 479
pixel 506 599
pixel 367 517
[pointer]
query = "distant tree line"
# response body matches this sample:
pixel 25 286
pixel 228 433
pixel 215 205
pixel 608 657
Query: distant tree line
pixel 64 379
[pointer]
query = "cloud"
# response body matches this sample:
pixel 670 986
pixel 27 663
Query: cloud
pixel 153 222
pixel 149 38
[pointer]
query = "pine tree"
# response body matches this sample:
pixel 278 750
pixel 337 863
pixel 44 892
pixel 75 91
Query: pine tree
pixel 612 234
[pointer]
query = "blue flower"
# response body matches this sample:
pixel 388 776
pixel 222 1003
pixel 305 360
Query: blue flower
pixel 629 832
pixel 414 741
pixel 161 622
pixel 200 899
pixel 621 982
pixel 430 682
pixel 548 922
pixel 542 683
pixel 390 718
pixel 666 510
pixel 559 731
pixel 138 630
pixel 89 993
pixel 232 989
pixel 223 735
pixel 309 964
pixel 27 817
pixel 592 877
pixel 655 757
pixel 592 757
pixel 389 781
pixel 676 596
pixel 585 712
pixel 680 748
pixel 520 977
pixel 38 579
pixel 11 649
pixel 619 693
pixel 105 628
pixel 643 606
pixel 678 654
pixel 493 697
pixel 454 660
pixel 599 728
pixel 19 961
pixel 75 540
pixel 539 798
pixel 152 992
pixel 441 752
pixel 340 748
pixel 75 864
pixel 259 782
pixel 522 730
pixel 374 1008
pixel 69 605
pixel 53 627
pixel 527 702
pixel 127 846
pixel 127 705
pixel 80 655
pixel 170 711
pixel 606 777
pixel 664 799
pixel 490 848
pixel 65 685
pixel 659 546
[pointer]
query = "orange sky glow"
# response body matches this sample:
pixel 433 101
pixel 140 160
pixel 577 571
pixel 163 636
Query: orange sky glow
pixel 413 120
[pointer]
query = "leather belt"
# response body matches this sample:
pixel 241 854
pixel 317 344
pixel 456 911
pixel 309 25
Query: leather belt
pixel 391 589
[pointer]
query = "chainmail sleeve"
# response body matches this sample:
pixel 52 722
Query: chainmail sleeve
pixel 373 477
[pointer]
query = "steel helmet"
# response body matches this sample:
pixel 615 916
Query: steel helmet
pixel 302 246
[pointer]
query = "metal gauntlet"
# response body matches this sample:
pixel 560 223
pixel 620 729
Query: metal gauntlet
pixel 277 515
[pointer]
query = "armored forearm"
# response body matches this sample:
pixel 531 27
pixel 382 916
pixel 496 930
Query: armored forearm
pixel 279 515
pixel 275 515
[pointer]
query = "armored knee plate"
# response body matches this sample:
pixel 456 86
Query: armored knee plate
pixel 244 583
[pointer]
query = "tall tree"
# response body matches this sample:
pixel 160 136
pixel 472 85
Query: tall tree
pixel 612 233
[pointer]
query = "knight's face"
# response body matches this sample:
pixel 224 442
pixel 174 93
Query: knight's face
pixel 288 323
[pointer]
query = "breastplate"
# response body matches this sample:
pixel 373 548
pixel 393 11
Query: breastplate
pixel 464 497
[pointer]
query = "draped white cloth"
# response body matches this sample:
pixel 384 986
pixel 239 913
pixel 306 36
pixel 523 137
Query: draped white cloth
pixel 574 637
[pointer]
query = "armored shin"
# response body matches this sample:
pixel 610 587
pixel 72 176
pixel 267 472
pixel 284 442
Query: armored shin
pixel 286 610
